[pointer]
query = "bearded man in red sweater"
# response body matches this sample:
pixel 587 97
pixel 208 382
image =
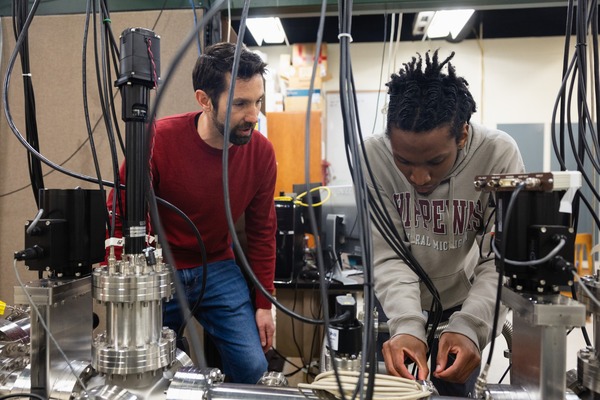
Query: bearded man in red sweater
pixel 186 170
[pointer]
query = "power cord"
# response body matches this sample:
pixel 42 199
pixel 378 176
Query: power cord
pixel 481 382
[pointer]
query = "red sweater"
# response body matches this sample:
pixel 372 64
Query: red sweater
pixel 187 173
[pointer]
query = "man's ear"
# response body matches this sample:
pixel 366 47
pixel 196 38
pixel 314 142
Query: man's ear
pixel 203 100
pixel 464 135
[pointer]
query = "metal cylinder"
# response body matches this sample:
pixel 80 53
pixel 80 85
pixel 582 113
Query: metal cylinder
pixel 135 341
pixel 193 383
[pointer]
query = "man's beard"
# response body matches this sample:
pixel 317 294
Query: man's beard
pixel 234 138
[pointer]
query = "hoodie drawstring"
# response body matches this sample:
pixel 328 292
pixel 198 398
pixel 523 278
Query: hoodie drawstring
pixel 451 212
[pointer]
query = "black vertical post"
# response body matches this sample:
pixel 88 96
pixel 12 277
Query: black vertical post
pixel 140 68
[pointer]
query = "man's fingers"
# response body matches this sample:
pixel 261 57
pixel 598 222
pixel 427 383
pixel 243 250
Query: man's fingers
pixel 395 365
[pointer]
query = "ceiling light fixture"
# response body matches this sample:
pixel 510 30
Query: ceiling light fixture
pixel 268 30
pixel 441 24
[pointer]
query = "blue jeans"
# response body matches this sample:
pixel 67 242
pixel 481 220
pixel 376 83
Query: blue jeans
pixel 226 313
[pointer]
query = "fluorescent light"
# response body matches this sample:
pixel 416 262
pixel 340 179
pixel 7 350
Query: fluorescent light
pixel 268 30
pixel 448 22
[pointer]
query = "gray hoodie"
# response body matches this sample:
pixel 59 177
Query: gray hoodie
pixel 450 257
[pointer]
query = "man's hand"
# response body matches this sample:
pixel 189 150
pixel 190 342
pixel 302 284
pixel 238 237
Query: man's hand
pixel 466 353
pixel 402 347
pixel 266 328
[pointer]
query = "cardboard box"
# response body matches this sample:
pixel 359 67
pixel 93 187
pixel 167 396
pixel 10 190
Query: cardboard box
pixel 297 100
pixel 303 55
pixel 299 77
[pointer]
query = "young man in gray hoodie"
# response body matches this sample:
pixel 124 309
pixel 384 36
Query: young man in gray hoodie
pixel 424 168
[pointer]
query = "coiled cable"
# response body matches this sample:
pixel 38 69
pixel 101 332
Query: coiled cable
pixel 385 387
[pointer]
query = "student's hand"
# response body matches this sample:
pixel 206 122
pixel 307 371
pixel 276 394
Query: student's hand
pixel 266 328
pixel 403 347
pixel 466 353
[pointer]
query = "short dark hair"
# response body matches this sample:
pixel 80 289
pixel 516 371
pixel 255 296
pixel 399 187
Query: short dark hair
pixel 422 100
pixel 217 61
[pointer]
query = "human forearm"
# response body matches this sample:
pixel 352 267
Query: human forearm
pixel 477 313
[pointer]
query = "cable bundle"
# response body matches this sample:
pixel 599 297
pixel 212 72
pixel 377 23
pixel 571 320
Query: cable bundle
pixel 386 386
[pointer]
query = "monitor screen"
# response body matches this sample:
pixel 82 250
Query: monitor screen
pixel 340 235
pixel 342 203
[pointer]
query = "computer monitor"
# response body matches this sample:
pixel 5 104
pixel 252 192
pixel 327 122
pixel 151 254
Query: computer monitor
pixel 340 232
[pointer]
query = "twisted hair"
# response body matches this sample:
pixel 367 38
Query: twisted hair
pixel 422 100
pixel 213 66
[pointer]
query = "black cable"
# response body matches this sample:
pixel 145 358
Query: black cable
pixel 65 161
pixel 577 72
pixel 86 112
pixel 235 240
pixel 7 112
pixel 152 198
pixel 106 98
pixel 560 151
pixel 186 316
pixel 112 53
pixel 285 359
pixel 505 373
pixel 558 145
pixel 35 167
pixel 21 38
pixel 595 58
pixel 179 288
pixel 156 224
pixel 311 213
pixel 101 70
pixel 582 147
pixel 294 372
pixel 294 339
pixel 159 15
pixel 110 219
pixel 392 238
pixel 388 230
pixel 198 35
pixel 583 20
pixel 203 256
pixel 314 342
pixel 589 206
pixel 349 129
pixel 108 48
pixel 382 220
pixel 500 265
pixel 485 229
pixel 20 13
pixel 353 136
pixel 48 172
